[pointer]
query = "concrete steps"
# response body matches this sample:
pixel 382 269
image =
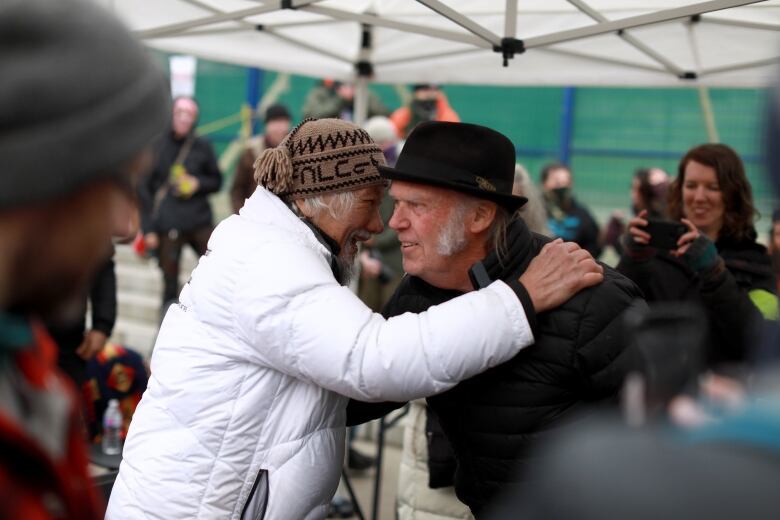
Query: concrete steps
pixel 139 297
pixel 139 335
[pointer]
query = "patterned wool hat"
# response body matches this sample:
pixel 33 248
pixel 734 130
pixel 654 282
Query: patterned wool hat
pixel 320 156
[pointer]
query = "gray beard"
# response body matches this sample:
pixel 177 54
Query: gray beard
pixel 346 270
pixel 347 266
pixel 452 237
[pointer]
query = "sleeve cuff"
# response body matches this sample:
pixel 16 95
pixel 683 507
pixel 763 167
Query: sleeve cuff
pixel 525 300
pixel 105 328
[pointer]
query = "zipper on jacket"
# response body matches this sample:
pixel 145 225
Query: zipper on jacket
pixel 259 488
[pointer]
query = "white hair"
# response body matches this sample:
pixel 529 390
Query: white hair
pixel 381 130
pixel 452 235
pixel 533 212
pixel 336 204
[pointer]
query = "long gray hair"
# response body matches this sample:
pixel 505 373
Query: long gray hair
pixel 533 212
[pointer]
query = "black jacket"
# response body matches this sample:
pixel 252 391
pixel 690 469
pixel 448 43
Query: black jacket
pixel 578 359
pixel 161 210
pixel 68 336
pixel 732 316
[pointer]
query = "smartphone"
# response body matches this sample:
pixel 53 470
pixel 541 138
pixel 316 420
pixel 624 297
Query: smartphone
pixel 664 234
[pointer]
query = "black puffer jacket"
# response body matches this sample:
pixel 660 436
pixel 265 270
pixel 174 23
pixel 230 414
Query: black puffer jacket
pixel 732 315
pixel 578 359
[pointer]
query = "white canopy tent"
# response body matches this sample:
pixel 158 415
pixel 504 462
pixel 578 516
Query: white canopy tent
pixel 501 42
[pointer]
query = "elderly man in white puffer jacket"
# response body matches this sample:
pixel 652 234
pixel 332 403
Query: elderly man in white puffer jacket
pixel 244 416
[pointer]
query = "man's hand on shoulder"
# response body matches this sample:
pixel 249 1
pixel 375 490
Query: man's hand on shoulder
pixel 558 272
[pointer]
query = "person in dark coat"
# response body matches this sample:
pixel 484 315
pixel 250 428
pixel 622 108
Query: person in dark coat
pixel 454 215
pixel 175 208
pixel 718 262
pixel 77 344
pixel 568 218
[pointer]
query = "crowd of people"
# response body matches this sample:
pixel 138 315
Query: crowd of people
pixel 410 259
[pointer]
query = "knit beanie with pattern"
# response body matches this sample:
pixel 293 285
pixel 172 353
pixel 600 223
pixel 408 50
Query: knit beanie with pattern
pixel 320 156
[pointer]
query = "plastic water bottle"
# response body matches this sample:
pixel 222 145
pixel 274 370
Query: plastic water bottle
pixel 112 426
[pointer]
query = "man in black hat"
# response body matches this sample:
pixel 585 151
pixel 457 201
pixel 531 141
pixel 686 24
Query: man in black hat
pixel 80 100
pixel 454 210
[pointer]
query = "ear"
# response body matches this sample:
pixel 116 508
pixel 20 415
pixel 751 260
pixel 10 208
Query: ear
pixel 482 217
pixel 302 208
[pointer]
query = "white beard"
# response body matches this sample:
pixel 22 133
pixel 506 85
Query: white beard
pixel 452 236
pixel 347 269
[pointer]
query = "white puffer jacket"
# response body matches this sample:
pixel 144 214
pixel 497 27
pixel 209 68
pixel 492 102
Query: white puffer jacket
pixel 245 410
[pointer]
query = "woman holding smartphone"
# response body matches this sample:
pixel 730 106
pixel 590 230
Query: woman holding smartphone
pixel 716 260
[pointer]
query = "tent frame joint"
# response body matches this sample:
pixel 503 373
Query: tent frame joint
pixel 364 69
pixel 688 75
pixel 287 4
pixel 509 47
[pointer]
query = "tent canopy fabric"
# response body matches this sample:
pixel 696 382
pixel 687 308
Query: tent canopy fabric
pixel 729 43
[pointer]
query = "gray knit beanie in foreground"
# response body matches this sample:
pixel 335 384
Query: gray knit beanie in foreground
pixel 78 96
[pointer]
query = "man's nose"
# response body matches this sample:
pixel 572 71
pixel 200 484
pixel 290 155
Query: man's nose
pixel 376 226
pixel 396 219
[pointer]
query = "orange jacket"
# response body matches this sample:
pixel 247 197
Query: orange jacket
pixel 403 116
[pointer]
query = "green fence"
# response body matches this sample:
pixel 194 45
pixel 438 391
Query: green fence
pixel 612 131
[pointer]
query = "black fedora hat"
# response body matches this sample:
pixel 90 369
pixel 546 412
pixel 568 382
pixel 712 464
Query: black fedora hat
pixel 463 157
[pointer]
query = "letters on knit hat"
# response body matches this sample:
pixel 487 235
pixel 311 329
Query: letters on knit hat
pixel 320 156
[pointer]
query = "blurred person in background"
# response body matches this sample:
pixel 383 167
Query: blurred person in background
pixel 648 192
pixel 774 245
pixel 336 99
pixel 717 262
pixel 77 345
pixel 77 88
pixel 175 208
pixel 713 457
pixel 244 415
pixel 116 372
pixel 277 125
pixel 567 218
pixel 533 211
pixel 428 103
pixel 455 218
pixel 380 257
